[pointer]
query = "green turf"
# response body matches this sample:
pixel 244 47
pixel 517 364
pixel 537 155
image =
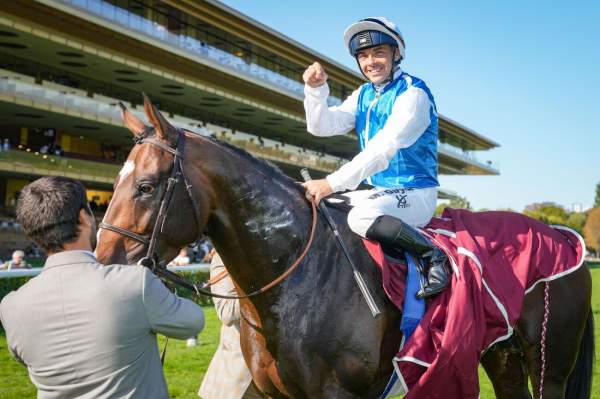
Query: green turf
pixel 185 367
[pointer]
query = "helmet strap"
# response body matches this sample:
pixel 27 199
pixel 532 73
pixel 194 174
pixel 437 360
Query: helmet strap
pixel 360 69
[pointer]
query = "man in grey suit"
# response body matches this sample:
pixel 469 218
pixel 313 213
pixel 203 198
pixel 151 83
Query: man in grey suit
pixel 85 330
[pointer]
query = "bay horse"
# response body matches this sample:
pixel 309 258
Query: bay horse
pixel 312 335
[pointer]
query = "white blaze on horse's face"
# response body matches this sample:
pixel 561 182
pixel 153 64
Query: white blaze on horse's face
pixel 128 167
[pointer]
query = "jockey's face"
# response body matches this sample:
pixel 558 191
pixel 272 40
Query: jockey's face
pixel 376 62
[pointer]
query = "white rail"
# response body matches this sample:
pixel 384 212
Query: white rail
pixel 193 268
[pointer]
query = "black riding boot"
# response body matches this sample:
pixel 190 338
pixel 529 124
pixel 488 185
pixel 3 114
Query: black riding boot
pixel 391 231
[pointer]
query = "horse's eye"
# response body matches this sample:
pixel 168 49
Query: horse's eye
pixel 146 188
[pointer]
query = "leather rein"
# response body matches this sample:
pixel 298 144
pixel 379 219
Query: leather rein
pixel 152 260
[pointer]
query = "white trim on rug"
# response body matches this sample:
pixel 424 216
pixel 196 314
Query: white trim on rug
pixel 569 270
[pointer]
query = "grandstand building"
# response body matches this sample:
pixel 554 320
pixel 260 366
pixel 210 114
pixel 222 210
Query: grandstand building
pixel 65 64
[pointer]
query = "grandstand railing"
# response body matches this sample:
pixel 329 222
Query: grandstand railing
pixel 467 157
pixel 190 45
pixel 35 163
pixel 105 109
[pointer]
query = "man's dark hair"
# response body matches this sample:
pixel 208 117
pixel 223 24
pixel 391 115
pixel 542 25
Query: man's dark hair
pixel 48 211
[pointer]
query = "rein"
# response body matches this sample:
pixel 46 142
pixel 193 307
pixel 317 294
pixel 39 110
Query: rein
pixel 150 260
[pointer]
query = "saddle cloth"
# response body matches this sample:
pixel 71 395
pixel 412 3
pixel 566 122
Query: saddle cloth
pixel 497 258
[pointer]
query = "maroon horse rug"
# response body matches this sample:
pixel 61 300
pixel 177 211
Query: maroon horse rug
pixel 497 259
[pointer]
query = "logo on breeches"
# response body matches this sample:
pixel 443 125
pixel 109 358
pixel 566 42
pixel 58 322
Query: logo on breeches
pixel 402 203
pixel 401 191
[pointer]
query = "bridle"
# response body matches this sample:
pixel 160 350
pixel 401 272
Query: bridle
pixel 177 174
pixel 152 260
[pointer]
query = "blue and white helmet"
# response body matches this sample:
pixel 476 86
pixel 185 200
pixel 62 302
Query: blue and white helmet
pixel 371 32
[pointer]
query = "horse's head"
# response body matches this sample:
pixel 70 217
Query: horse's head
pixel 142 187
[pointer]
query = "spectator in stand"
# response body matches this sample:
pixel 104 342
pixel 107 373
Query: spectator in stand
pixel 103 206
pixel 182 259
pixel 202 248
pixel 33 251
pixel 17 262
pixel 199 250
pixel 58 151
pixel 228 376
pixel 93 204
pixel 210 255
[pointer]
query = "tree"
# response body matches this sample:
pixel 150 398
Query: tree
pixel 591 230
pixel 547 212
pixel 460 202
pixel 551 213
pixel 440 208
pixel 576 221
pixel 597 200
pixel 456 202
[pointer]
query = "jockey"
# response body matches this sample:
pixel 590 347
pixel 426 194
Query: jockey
pixel 396 121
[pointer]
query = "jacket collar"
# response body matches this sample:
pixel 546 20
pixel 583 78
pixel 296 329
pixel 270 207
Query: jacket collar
pixel 69 257
pixel 381 87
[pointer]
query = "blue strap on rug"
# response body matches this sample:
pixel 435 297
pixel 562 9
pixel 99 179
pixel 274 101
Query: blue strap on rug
pixel 413 309
pixel 412 312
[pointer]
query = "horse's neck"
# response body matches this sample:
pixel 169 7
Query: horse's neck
pixel 260 225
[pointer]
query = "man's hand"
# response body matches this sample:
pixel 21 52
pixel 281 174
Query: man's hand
pixel 318 189
pixel 315 75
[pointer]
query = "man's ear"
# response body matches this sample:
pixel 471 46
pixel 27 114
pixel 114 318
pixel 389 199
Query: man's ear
pixel 85 216
pixel 397 56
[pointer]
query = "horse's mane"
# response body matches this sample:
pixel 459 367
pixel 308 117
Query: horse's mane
pixel 266 167
pixel 264 164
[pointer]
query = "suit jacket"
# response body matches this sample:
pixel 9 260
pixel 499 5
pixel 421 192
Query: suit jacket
pixel 228 376
pixel 85 330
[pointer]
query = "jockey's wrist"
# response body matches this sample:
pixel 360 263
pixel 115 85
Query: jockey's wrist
pixel 321 91
pixel 334 182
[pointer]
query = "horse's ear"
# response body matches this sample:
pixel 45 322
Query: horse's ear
pixel 164 130
pixel 131 122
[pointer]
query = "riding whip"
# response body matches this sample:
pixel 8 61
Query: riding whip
pixel 357 275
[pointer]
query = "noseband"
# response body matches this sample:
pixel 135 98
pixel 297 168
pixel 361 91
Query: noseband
pixel 152 260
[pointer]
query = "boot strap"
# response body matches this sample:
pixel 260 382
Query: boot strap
pixel 412 240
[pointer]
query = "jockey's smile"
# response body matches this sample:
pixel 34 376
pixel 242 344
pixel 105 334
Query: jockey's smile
pixel 376 63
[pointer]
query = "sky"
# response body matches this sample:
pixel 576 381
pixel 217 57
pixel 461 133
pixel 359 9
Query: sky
pixel 524 74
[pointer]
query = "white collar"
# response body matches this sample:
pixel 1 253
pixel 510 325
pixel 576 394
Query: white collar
pixel 381 86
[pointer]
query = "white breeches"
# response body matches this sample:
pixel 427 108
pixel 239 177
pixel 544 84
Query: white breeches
pixel 413 206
